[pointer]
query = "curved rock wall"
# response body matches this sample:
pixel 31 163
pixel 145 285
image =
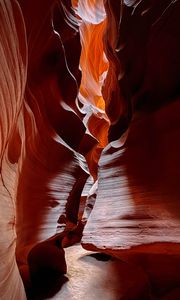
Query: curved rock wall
pixel 137 196
pixel 89 94
pixel 13 66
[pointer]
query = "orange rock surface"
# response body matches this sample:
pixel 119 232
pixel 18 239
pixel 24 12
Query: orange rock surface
pixel 89 136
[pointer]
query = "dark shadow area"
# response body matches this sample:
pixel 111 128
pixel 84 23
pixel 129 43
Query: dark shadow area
pixel 101 256
pixel 154 276
pixel 47 267
pixel 97 259
pixel 46 286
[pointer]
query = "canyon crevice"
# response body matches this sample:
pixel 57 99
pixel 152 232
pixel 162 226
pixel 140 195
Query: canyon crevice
pixel 89 146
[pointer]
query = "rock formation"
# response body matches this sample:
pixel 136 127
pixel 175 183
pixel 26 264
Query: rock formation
pixel 13 68
pixel 139 193
pixel 89 136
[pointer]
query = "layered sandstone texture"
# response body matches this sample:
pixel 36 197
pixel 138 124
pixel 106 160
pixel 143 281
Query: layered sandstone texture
pixel 90 143
pixel 137 203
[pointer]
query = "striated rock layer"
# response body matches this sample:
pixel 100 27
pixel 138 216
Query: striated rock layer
pixel 77 77
pixel 13 64
pixel 137 200
pixel 136 212
pixel 137 196
pixel 53 172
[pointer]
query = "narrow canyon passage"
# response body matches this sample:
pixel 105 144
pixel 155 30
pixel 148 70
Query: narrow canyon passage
pixel 89 149
pixel 93 276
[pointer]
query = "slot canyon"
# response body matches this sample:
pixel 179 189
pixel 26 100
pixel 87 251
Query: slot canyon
pixel 90 149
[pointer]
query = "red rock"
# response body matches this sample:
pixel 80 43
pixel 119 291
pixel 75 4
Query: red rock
pixel 137 199
pixel 46 260
pixel 90 88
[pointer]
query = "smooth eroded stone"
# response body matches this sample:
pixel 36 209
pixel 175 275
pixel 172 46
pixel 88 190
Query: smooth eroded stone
pixel 46 262
pixel 13 67
pixel 137 205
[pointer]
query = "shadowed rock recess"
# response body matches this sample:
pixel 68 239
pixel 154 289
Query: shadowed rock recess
pixel 90 149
